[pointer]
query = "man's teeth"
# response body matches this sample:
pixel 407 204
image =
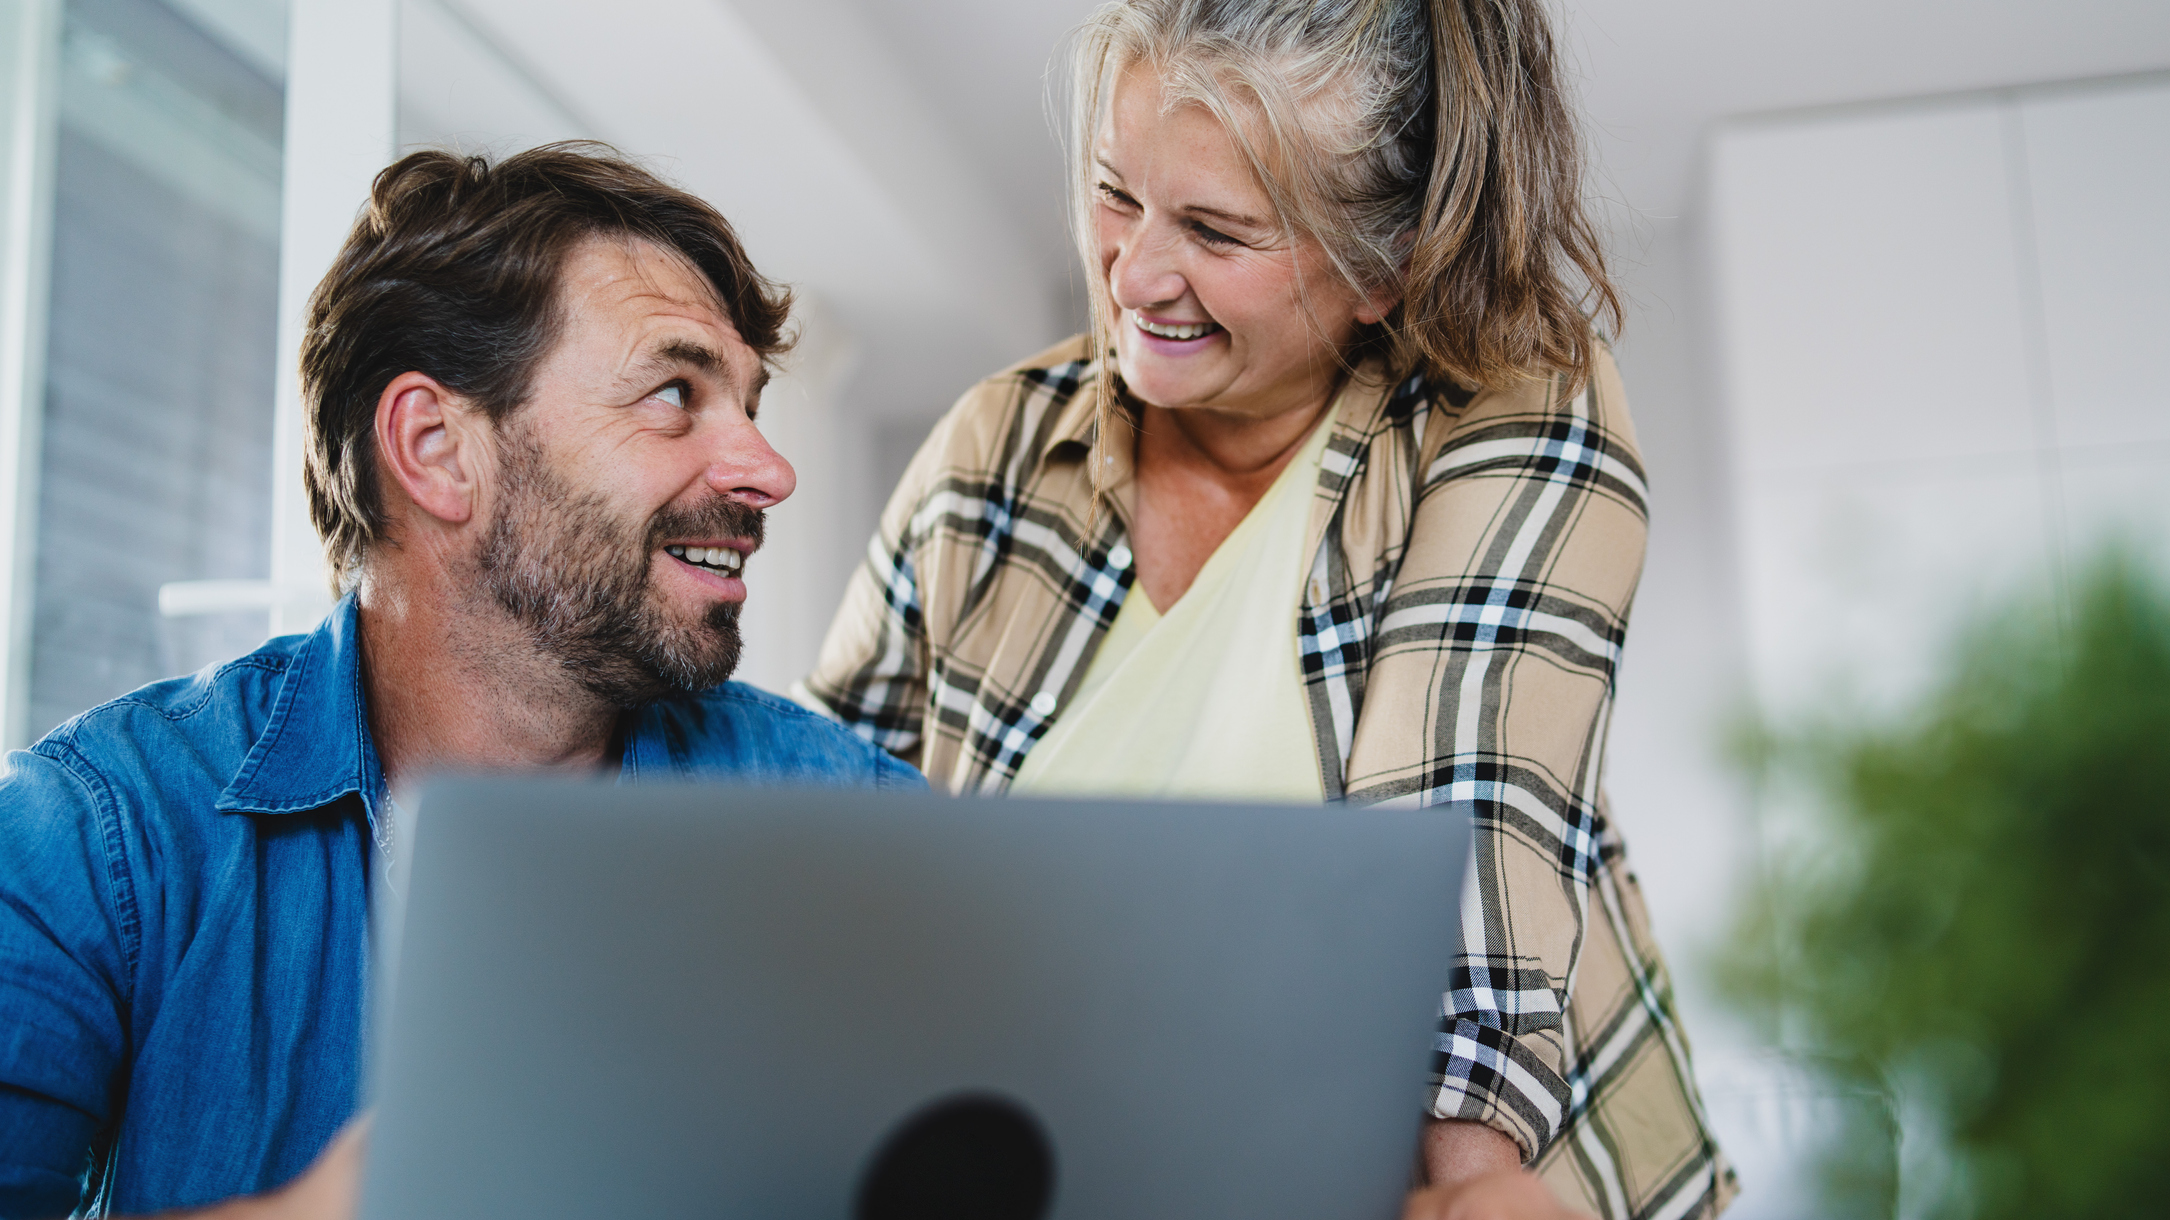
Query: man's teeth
pixel 1191 330
pixel 720 558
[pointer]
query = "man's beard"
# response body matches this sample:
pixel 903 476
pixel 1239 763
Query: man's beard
pixel 580 580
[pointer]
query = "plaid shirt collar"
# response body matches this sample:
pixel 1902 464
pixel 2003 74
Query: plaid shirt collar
pixel 1364 404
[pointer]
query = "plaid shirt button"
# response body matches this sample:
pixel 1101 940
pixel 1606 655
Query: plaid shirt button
pixel 1119 557
pixel 1043 704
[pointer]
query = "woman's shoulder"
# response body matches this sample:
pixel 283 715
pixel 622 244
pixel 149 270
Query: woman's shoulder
pixel 1051 378
pixel 995 433
pixel 1598 407
pixel 1071 357
pixel 1037 401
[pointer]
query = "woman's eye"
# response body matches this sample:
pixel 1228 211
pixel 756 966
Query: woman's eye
pixel 1109 194
pixel 1213 237
pixel 674 394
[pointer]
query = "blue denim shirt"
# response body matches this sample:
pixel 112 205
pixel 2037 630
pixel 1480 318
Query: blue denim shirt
pixel 184 915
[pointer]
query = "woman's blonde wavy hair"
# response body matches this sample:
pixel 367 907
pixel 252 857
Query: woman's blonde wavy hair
pixel 1429 146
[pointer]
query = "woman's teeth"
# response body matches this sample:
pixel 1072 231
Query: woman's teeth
pixel 714 558
pixel 1190 330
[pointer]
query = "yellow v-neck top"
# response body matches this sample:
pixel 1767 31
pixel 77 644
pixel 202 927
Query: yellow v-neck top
pixel 1206 700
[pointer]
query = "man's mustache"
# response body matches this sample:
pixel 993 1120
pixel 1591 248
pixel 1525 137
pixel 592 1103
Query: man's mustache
pixel 719 517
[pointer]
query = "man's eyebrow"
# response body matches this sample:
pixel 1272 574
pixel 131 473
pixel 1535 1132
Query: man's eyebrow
pixel 675 354
pixel 684 353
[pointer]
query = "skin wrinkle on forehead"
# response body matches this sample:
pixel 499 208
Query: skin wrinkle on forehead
pixel 704 310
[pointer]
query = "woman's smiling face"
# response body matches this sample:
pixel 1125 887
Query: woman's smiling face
pixel 1216 305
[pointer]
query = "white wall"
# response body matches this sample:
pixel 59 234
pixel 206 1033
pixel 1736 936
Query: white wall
pixel 1939 322
pixel 1672 788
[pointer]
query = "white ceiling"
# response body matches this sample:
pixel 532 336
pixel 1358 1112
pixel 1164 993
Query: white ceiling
pixel 796 121
pixel 1655 74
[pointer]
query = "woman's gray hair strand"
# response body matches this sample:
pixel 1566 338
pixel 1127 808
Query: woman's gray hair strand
pixel 1429 146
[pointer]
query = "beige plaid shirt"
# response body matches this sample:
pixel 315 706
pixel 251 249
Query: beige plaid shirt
pixel 1473 560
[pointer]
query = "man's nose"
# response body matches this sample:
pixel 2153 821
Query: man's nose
pixel 746 468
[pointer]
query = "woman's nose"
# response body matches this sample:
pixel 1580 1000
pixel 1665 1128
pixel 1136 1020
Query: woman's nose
pixel 1144 273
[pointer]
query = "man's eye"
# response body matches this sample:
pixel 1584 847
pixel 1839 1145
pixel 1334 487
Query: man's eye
pixel 674 394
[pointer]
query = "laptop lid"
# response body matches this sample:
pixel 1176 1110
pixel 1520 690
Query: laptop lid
pixel 710 1001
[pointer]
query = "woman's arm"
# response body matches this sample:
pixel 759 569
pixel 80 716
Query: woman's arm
pixel 1489 688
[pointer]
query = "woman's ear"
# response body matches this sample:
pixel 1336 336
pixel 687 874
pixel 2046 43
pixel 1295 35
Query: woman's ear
pixel 429 446
pixel 1374 308
pixel 1381 301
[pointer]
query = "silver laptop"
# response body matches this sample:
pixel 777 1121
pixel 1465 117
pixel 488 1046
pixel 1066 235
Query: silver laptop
pixel 702 1001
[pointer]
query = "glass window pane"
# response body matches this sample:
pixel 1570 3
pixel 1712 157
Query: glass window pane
pixel 156 462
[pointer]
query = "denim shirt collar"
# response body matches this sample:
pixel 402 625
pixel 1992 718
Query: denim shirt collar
pixel 315 747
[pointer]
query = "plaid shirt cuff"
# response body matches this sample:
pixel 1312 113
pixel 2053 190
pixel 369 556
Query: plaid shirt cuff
pixel 1483 1074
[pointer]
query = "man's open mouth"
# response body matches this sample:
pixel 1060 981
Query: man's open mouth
pixel 1167 330
pixel 720 559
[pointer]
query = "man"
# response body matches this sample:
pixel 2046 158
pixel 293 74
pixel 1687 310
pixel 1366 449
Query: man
pixel 532 456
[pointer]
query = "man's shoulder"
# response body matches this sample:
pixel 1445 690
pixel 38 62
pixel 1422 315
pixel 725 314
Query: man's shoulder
pixel 207 721
pixel 741 731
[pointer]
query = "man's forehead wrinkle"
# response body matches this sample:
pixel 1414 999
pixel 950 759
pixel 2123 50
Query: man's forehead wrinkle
pixel 631 268
pixel 651 260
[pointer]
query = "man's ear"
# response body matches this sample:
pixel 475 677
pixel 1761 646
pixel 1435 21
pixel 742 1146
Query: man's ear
pixel 431 446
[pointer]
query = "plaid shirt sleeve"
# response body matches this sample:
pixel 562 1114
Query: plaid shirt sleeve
pixel 1489 687
pixel 987 587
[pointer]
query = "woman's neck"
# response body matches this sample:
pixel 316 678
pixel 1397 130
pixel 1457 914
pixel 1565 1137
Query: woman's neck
pixel 1198 474
pixel 1237 448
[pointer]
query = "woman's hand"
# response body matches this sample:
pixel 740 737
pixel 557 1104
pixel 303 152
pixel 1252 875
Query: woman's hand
pixel 1475 1173
pixel 1502 1194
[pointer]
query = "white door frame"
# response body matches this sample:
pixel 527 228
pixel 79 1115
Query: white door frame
pixel 29 117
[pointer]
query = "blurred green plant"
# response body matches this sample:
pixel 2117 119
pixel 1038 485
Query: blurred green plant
pixel 1979 919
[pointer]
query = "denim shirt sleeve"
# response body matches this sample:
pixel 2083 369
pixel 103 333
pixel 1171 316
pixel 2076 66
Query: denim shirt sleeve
pixel 894 774
pixel 67 946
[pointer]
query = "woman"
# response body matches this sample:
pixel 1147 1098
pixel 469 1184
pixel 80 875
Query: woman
pixel 1339 500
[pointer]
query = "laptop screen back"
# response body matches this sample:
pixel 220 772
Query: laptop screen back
pixel 708 1001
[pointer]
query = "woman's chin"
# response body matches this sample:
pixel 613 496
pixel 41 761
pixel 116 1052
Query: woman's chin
pixel 1150 381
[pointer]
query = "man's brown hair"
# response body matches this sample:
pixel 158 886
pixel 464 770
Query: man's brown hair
pixel 452 271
